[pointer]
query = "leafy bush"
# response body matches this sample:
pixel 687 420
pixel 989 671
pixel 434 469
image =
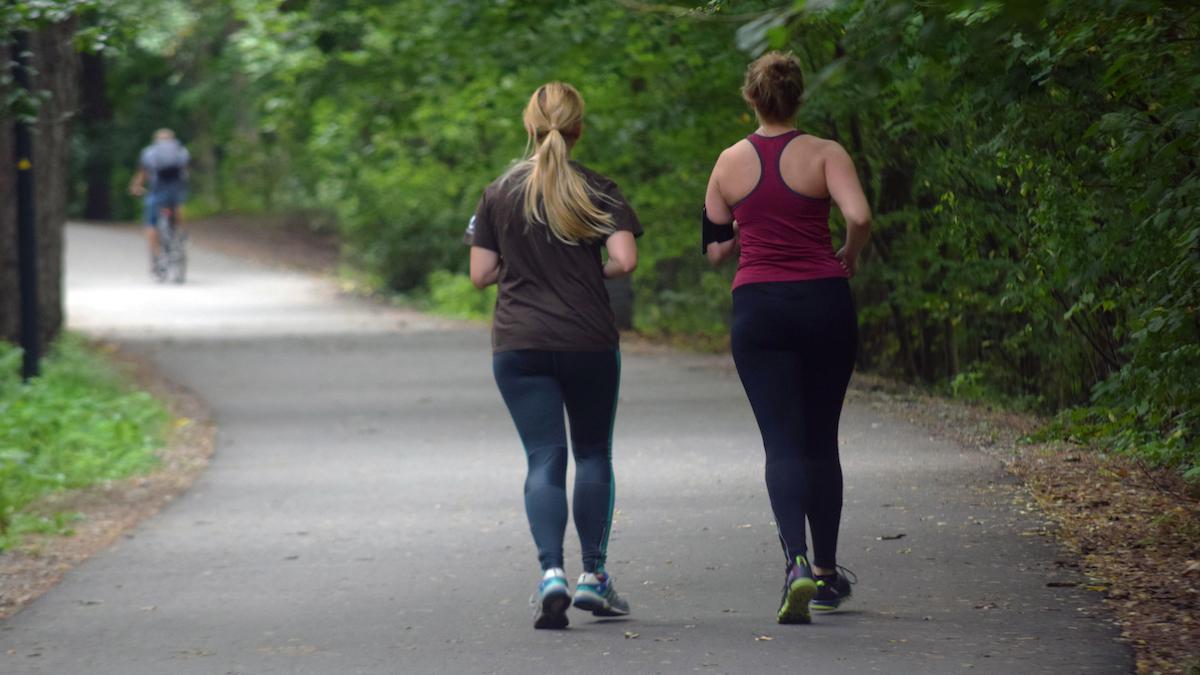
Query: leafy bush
pixel 1031 165
pixel 75 425
pixel 454 295
pixel 1032 170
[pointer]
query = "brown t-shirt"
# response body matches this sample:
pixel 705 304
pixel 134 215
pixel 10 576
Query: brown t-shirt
pixel 551 294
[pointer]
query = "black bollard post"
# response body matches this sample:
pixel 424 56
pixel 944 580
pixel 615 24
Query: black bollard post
pixel 26 229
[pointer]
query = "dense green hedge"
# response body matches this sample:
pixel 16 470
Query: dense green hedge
pixel 78 423
pixel 1033 168
pixel 1032 165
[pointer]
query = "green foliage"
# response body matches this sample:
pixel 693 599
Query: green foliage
pixel 1031 165
pixel 1032 168
pixel 76 424
pixel 28 16
pixel 390 118
pixel 454 295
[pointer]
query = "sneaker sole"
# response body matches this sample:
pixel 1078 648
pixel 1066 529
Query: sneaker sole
pixel 554 612
pixel 596 604
pixel 825 608
pixel 796 607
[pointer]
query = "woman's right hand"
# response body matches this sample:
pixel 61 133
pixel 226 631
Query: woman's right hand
pixel 849 262
pixel 847 193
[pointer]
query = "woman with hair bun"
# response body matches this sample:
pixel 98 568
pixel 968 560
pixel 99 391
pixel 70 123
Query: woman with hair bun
pixel 794 334
pixel 537 233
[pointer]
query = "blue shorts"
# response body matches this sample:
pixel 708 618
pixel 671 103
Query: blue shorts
pixel 163 196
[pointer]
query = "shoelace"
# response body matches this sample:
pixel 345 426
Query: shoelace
pixel 848 574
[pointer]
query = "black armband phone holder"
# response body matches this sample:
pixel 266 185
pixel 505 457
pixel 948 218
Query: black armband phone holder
pixel 711 232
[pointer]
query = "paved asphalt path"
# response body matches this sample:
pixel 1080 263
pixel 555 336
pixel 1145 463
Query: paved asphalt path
pixel 363 514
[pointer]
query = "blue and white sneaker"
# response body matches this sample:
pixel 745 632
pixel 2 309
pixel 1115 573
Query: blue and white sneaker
pixel 595 593
pixel 551 600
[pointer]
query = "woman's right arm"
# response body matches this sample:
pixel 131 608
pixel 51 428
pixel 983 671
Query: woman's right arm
pixel 847 193
pixel 718 212
pixel 137 184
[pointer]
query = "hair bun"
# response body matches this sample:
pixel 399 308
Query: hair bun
pixel 774 86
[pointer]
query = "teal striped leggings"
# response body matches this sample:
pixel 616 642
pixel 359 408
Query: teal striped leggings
pixel 537 386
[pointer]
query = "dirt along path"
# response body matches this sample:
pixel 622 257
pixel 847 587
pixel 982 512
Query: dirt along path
pixel 362 514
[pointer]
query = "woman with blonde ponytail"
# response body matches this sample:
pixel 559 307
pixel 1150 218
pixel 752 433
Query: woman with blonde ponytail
pixel 538 233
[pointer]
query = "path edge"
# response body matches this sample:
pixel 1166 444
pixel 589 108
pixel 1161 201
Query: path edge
pixel 111 509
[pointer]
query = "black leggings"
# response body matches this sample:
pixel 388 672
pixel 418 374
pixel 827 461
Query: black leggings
pixel 536 386
pixel 794 344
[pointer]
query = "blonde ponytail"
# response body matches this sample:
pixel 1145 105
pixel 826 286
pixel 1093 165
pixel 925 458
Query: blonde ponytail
pixel 556 195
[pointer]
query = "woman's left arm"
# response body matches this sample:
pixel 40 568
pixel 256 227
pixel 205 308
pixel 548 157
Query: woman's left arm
pixel 485 266
pixel 622 254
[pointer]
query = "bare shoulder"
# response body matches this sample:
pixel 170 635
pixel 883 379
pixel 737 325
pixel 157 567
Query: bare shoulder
pixel 830 149
pixel 737 155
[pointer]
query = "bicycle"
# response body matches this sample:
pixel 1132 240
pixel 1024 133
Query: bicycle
pixel 171 262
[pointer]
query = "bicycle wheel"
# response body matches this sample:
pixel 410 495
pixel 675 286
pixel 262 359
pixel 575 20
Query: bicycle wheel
pixel 179 260
pixel 172 245
pixel 162 259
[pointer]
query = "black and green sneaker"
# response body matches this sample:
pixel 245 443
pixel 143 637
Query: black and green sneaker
pixel 799 588
pixel 832 591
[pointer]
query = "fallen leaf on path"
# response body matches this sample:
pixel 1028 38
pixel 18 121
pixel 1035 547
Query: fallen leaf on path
pixel 763 638
pixel 630 635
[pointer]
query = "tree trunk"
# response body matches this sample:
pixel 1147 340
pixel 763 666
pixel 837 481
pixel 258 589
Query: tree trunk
pixel 55 68
pixel 96 119
pixel 951 348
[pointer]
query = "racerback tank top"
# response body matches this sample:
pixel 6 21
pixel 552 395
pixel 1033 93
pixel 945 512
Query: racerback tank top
pixel 784 234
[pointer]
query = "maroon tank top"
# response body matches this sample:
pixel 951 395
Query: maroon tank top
pixel 784 234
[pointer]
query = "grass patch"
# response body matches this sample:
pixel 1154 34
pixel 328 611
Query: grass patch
pixel 77 424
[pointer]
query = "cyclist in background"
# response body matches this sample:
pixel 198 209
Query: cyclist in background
pixel 162 178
